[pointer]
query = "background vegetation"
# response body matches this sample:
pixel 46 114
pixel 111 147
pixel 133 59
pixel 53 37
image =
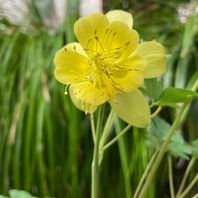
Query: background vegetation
pixel 45 142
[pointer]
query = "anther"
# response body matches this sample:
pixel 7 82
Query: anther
pixel 127 43
pixel 89 40
pixel 95 32
pixel 75 48
pixel 65 48
pixel 66 92
pixel 96 38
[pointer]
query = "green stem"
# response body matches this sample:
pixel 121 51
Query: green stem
pixel 165 144
pixel 195 196
pixel 148 167
pixel 156 112
pixel 107 127
pixel 190 165
pixel 189 187
pixel 162 151
pixel 195 86
pixel 105 132
pixel 93 130
pixel 95 162
pixel 124 160
pixel 170 174
pixel 116 138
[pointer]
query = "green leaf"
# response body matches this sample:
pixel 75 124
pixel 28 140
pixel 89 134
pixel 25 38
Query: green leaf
pixel 195 148
pixel 153 87
pixel 1 196
pixel 159 127
pixel 157 134
pixel 158 130
pixel 172 96
pixel 20 194
pixel 179 148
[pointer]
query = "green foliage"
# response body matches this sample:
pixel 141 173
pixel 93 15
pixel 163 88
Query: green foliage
pixel 158 130
pixel 179 147
pixel 171 96
pixel 45 142
pixel 18 194
pixel 195 148
pixel 154 88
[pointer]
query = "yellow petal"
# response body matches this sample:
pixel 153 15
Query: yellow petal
pixel 75 47
pixel 119 41
pixel 87 108
pixel 71 64
pixel 88 93
pixel 131 76
pixel 88 27
pixel 154 53
pixel 132 108
pixel 119 15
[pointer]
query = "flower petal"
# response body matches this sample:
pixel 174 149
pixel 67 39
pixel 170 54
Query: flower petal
pixel 131 74
pixel 119 15
pixel 71 64
pixel 87 27
pixel 75 47
pixel 132 108
pixel 154 53
pixel 119 41
pixel 89 93
pixel 87 108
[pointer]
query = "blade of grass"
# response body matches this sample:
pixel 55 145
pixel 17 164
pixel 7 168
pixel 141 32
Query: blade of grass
pixel 124 160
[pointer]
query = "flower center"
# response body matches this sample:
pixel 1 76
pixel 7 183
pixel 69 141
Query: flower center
pixel 105 55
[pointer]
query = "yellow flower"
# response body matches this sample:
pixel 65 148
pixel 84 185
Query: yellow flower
pixel 109 64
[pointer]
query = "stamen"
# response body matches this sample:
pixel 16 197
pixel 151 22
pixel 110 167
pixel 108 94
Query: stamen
pixel 113 99
pixel 100 44
pixel 75 48
pixel 127 43
pixel 90 43
pixel 112 38
pixel 66 88
pixel 106 37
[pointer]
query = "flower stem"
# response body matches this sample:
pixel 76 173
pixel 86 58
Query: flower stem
pixel 124 161
pixel 189 187
pixel 162 151
pixel 116 138
pixel 190 165
pixel 93 130
pixel 195 196
pixel 148 167
pixel 170 174
pixel 95 162
pixel 105 132
pixel 165 144
pixel 156 112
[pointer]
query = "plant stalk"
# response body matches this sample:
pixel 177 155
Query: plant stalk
pixel 190 165
pixel 148 167
pixel 95 162
pixel 165 145
pixel 170 174
pixel 194 181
